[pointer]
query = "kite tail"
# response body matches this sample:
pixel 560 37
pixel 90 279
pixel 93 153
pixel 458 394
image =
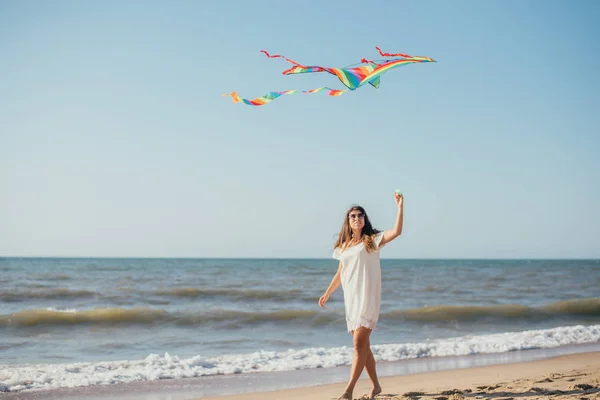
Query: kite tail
pixel 331 92
pixel 234 95
pixel 419 58
pixel 259 101
pixel 297 64
pixel 297 68
pixel 365 61
pixel 269 97
pixel 392 55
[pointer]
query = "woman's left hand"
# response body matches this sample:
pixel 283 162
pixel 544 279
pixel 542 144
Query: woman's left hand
pixel 323 300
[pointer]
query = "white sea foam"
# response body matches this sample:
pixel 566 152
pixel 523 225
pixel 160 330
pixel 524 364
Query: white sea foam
pixel 62 310
pixel 44 376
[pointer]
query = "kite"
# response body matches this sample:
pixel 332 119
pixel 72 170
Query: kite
pixel 353 77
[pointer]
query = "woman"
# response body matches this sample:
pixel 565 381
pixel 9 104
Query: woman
pixel 359 273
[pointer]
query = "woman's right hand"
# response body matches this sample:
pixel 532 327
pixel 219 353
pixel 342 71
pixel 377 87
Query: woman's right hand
pixel 399 199
pixel 323 300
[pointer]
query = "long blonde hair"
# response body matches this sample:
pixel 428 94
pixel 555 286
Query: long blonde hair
pixel 367 233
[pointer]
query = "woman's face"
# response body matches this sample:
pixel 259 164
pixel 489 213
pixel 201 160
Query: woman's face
pixel 356 218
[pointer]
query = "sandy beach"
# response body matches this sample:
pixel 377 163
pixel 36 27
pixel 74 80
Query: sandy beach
pixel 564 377
pixel 571 376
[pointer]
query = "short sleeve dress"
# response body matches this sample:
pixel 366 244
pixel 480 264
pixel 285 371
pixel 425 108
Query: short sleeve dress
pixel 361 283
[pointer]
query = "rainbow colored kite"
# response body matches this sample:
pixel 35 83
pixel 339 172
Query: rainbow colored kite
pixel 351 77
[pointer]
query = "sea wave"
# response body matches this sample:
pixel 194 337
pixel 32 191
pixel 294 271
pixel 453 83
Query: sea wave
pixel 579 308
pixel 233 294
pixel 149 316
pixel 36 292
pixel 154 366
pixel 110 316
pixel 569 308
pixel 45 294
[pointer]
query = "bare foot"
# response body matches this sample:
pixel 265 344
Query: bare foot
pixel 345 396
pixel 374 392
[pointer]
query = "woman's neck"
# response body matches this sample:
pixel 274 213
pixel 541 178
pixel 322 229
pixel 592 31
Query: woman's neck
pixel 356 237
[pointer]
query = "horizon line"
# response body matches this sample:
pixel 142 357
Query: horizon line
pixel 300 258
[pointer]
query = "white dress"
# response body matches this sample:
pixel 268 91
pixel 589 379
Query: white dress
pixel 361 283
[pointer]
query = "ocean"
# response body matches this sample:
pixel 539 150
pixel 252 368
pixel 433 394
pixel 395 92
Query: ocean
pixel 74 322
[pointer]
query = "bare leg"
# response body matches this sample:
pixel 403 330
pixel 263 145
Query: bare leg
pixel 360 337
pixel 372 372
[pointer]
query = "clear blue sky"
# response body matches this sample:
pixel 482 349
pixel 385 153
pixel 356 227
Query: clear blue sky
pixel 115 140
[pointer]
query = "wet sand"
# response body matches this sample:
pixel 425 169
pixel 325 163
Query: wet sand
pixel 573 377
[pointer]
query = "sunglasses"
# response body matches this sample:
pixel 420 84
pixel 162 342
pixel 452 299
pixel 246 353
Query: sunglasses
pixel 354 216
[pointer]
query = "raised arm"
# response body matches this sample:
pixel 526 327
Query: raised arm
pixel 393 233
pixel 335 283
